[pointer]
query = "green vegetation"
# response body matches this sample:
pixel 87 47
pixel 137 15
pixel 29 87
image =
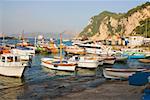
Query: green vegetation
pixel 110 28
pixel 96 21
pixel 138 8
pixel 118 29
pixel 144 28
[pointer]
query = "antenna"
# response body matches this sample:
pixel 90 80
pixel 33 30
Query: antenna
pixel 60 47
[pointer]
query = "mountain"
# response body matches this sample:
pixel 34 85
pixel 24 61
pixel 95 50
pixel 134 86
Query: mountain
pixel 135 22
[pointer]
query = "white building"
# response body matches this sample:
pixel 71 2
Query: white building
pixel 136 41
pixel 146 40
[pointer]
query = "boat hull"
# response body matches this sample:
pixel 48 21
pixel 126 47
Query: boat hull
pixel 13 71
pixel 88 64
pixel 144 60
pixel 59 67
pixel 121 59
pixel 136 56
pixel 119 73
pixel 111 62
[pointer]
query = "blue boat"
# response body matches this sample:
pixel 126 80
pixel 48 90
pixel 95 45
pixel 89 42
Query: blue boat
pixel 134 55
pixel 139 78
pixel 146 95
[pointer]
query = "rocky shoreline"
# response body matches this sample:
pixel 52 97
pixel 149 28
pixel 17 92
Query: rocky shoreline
pixel 110 90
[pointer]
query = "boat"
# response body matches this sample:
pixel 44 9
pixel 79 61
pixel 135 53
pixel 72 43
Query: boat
pixel 109 60
pixel 59 64
pixel 134 55
pixel 11 65
pixel 121 59
pixel 3 51
pixel 139 78
pixel 24 43
pixel 74 50
pixel 49 59
pixel 120 73
pixel 86 61
pixel 23 51
pixel 96 48
pixel 51 46
pixel 23 57
pixel 41 45
pixel 144 60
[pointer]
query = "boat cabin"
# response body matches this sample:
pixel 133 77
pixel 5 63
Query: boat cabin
pixel 9 58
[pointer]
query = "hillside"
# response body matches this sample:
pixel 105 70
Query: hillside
pixel 135 22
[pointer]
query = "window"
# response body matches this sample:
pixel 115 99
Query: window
pixel 9 59
pixel 16 59
pixel 3 59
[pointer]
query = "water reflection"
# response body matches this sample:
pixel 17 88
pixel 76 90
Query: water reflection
pixel 6 82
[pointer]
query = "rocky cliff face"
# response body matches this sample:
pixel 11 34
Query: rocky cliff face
pixel 108 24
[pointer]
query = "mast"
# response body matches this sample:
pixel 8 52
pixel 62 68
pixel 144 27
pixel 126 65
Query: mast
pixel 22 36
pixel 60 47
pixel 3 41
pixel 35 41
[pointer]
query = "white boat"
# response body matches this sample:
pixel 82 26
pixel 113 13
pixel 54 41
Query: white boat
pixel 97 48
pixel 121 58
pixel 23 51
pixel 86 61
pixel 58 64
pixel 119 73
pixel 49 59
pixel 109 60
pixel 11 65
pixel 74 50
pixel 92 48
pixel 26 57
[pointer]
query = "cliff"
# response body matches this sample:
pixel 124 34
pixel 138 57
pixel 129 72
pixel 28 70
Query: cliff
pixel 107 24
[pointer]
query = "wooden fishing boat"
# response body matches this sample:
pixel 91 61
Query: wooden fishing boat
pixel 52 47
pixel 24 43
pixel 5 51
pixel 59 64
pixel 120 73
pixel 144 60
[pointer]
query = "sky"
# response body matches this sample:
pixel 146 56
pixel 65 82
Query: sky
pixel 55 16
